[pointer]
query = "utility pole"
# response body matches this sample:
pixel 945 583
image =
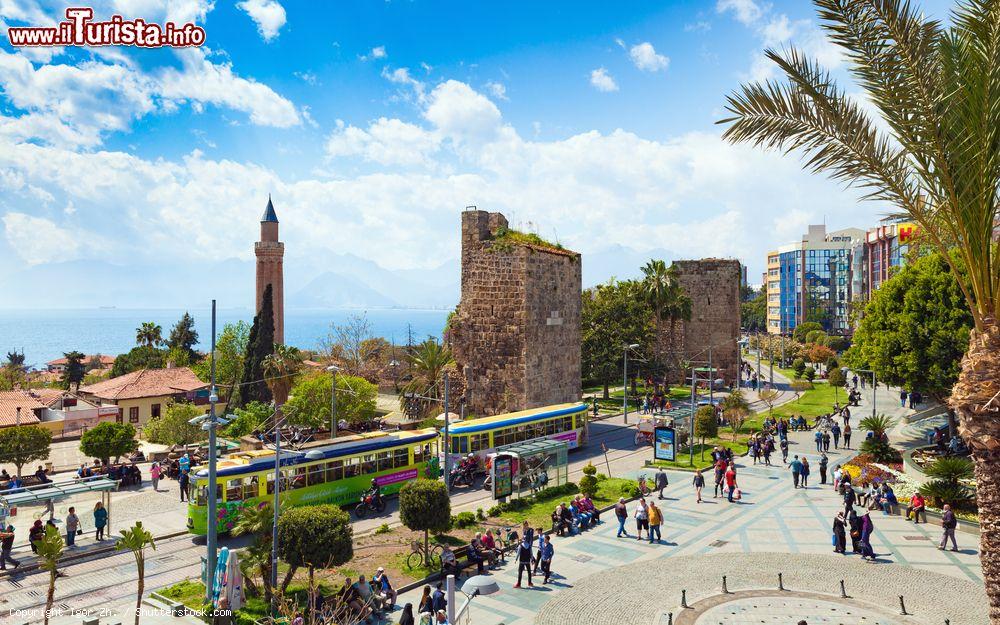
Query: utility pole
pixel 447 460
pixel 213 521
pixel 625 387
pixel 758 362
pixel 691 422
pixel 276 504
pixel 711 379
pixel 333 401
pixel 770 358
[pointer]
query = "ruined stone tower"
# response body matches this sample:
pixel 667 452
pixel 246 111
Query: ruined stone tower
pixel 516 332
pixel 713 285
pixel 270 252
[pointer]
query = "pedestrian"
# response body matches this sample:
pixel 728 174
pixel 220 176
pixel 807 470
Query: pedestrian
pixel 839 534
pixel 655 519
pixel 720 476
pixel 541 542
pixel 438 600
pixel 661 481
pixel 547 551
pixel 805 472
pixel 847 434
pixel 35 535
pixel 426 604
pixel 796 466
pixel 621 513
pixel 784 451
pixel 823 463
pixel 826 441
pixel 406 618
pixel 835 431
pixel 902 398
pixel 948 525
pixel 6 545
pixel 699 483
pixel 768 449
pixel 642 518
pixel 154 474
pixel 72 526
pixel 100 520
pixel 819 440
pixel 867 527
pixel 731 481
pixel 183 481
pixel 524 561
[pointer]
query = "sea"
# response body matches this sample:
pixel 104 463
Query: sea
pixel 45 335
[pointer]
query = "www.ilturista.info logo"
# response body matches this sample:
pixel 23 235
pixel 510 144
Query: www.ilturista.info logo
pixel 80 30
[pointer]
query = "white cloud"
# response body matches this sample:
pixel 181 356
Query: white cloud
pixel 693 194
pixel 497 90
pixel 745 11
pixel 34 239
pixel 698 27
pixel 602 80
pixel 645 57
pixel 269 16
pixel 307 77
pixel 777 31
pixel 378 52
pixel 401 76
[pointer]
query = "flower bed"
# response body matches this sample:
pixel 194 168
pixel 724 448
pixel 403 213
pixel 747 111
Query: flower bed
pixel 863 468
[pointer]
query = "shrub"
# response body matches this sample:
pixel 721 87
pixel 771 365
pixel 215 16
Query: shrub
pixel 463 520
pixel 809 373
pixel 630 490
pixel 950 469
pixel 879 450
pixel 706 424
pixel 941 492
pixel 590 469
pixel 480 516
pixel 588 485
pixel 799 367
pixel 383 529
pixel 831 364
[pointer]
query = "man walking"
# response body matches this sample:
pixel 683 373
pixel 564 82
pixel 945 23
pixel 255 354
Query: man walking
pixel 524 561
pixel 819 440
pixel 796 471
pixel 720 474
pixel 823 462
pixel 835 431
pixel 72 525
pixel 547 552
pixel 784 451
pixel 183 481
pixel 731 482
pixel 948 524
pixel 661 481
pixel 621 513
pixel 6 545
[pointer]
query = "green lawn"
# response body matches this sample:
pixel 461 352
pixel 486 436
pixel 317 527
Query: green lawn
pixel 812 402
pixel 682 463
pixel 538 514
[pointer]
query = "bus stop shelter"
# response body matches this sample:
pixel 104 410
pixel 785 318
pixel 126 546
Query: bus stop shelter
pixel 47 494
pixel 536 465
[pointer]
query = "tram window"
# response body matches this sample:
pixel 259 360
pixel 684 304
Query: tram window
pixel 400 457
pixel 538 430
pixel 418 453
pixel 383 460
pixel 479 442
pixel 294 478
pixel 459 444
pixel 234 489
pixel 351 467
pixel 199 492
pixel 521 434
pixel 317 474
pixel 270 483
pixel 251 487
pixel 503 437
pixel 368 464
pixel 334 471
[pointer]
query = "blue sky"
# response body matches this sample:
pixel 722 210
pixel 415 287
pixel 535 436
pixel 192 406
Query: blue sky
pixel 374 123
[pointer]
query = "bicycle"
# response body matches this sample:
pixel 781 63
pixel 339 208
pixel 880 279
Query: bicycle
pixel 417 553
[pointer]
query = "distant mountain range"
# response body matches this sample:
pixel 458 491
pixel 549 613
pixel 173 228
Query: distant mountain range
pixel 339 281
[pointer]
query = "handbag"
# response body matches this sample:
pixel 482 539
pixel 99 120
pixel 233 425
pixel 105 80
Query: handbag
pixel 79 532
pixel 738 494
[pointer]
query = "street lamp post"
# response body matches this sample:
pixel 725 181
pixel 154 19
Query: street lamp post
pixel 333 369
pixel 625 381
pixel 213 528
pixel 447 460
pixel 694 380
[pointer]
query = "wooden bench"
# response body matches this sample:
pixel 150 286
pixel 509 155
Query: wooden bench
pixel 462 561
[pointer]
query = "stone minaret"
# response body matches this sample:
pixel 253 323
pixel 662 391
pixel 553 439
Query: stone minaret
pixel 270 251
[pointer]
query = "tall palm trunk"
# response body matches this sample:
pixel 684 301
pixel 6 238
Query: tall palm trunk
pixel 141 567
pixel 50 598
pixel 976 398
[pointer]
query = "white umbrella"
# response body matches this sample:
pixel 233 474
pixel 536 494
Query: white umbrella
pixel 234 582
pixel 452 417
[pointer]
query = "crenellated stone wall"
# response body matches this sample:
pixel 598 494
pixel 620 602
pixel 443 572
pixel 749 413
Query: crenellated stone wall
pixel 516 332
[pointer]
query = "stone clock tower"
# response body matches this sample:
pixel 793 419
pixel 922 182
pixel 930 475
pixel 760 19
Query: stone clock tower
pixel 270 253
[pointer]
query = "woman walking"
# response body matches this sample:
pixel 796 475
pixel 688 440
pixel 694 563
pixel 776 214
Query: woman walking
pixel 154 475
pixel 867 527
pixel 839 534
pixel 805 472
pixel 100 519
pixel 641 518
pixel 847 435
pixel 699 483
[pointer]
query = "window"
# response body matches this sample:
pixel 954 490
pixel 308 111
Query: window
pixel 418 453
pixel 294 478
pixel 400 457
pixel 154 412
pixel 384 460
pixel 199 493
pixel 251 487
pixel 234 489
pixel 317 474
pixel 334 471
pixel 133 414
pixel 270 483
pixel 459 444
pixel 479 442
pixel 352 466
pixel 368 464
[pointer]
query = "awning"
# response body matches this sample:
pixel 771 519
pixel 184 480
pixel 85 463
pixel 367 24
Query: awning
pixel 44 492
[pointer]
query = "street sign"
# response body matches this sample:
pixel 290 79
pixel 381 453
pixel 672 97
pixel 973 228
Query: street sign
pixel 664 447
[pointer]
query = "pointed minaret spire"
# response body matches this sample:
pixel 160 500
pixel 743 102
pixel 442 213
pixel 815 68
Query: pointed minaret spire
pixel 269 214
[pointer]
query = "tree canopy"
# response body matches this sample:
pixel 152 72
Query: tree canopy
pixel 108 440
pixel 260 345
pixel 803 329
pixel 309 403
pixel 315 536
pixel 230 351
pixel 614 314
pixel 753 312
pixel 141 357
pixel 915 329
pixel 20 445
pixel 75 370
pixel 149 334
pixel 183 336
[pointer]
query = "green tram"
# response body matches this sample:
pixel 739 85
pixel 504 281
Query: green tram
pixel 340 477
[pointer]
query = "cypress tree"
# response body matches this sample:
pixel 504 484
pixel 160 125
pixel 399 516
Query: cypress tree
pixel 259 346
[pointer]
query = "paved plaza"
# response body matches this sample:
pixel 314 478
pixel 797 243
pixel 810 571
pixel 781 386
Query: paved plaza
pixel 772 519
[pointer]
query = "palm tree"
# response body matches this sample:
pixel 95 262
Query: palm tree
pixel 937 162
pixel 50 549
pixel 149 334
pixel 136 539
pixel 258 522
pixel 427 362
pixel 662 290
pixel 280 368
